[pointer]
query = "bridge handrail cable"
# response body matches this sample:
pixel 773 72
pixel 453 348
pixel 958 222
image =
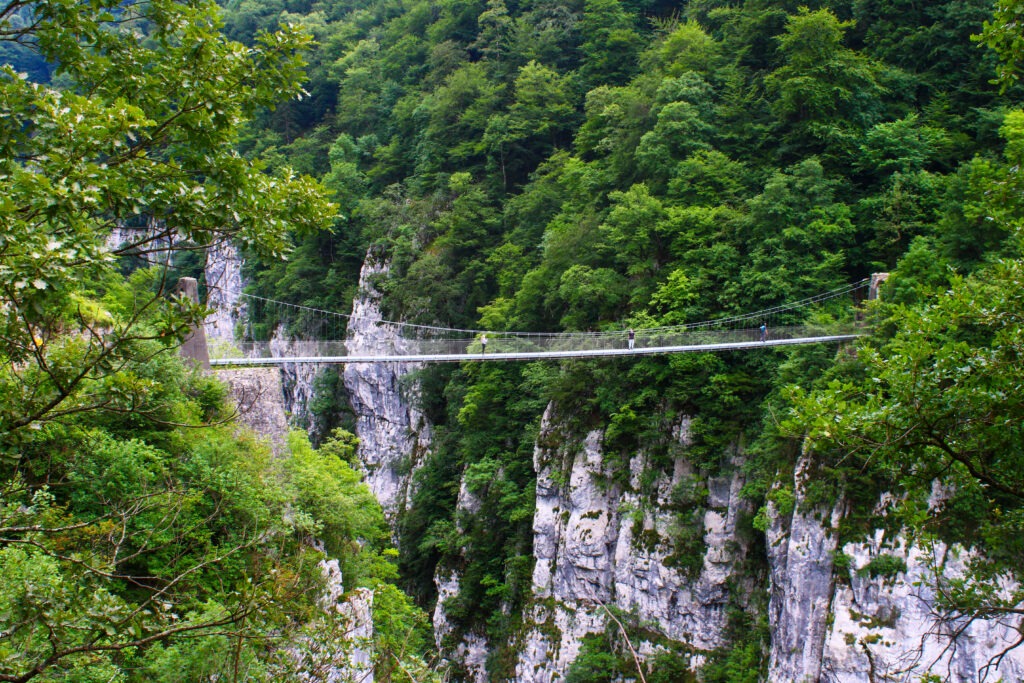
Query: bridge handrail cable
pixel 665 329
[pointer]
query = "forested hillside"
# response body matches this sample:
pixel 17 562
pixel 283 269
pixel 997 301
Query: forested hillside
pixel 143 534
pixel 600 165
pixel 540 165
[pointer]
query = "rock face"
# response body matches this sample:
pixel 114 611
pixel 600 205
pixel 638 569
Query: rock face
pixel 856 624
pixel 393 434
pixel 122 236
pixel 297 380
pixel 885 625
pixel 224 293
pixel 260 400
pixel 350 657
pixel 601 541
pixel 263 404
pixel 801 548
pixel 224 285
pixel 357 613
pixel 469 650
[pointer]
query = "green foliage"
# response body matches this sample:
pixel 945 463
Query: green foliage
pixel 610 43
pixel 334 506
pixel 89 152
pixel 536 166
pixel 140 537
pixel 328 405
pixel 123 543
pixel 824 91
pixel 602 165
pixel 606 657
pixel 402 634
pixel 885 565
pixel 592 666
pixel 601 659
pixel 936 403
pixel 745 661
pixel 1003 36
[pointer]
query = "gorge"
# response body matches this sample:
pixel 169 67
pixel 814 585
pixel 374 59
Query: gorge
pixel 614 170
pixel 605 539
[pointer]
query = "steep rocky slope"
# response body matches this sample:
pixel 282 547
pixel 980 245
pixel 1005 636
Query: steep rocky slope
pixel 611 539
pixel 393 434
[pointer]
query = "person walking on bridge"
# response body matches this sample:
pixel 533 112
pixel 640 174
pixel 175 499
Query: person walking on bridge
pixel 483 343
pixel 631 337
pixel 764 332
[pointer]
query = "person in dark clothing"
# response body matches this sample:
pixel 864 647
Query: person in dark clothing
pixel 631 337
pixel 483 343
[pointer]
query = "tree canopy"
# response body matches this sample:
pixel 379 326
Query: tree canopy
pixel 142 536
pixel 532 165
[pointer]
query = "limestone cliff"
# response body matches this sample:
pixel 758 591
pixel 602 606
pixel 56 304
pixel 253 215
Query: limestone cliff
pixel 887 626
pixel 801 551
pixel 297 381
pixel 600 541
pixel 393 434
pixel 468 650
pixel 224 286
pixel 260 402
pixel 851 624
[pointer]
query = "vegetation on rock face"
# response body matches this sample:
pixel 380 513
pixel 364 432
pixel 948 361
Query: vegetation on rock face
pixel 141 536
pixel 597 165
pixel 531 165
pixel 933 409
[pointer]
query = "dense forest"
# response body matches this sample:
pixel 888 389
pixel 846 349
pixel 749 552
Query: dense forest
pixel 599 165
pixel 142 535
pixel 537 165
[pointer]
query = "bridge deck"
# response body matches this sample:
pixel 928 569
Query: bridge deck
pixel 531 355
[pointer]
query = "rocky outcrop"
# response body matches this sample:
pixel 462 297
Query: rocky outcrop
pixel 357 614
pixel 599 540
pixel 884 625
pixel 339 649
pixel 801 550
pixel 298 379
pixel 259 393
pixel 224 285
pixel 393 434
pixel 265 398
pixel 469 650
pixel 260 400
pixel 647 578
pixel 223 293
pixel 873 617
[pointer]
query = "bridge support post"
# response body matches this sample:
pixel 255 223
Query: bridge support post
pixel 194 346
pixel 876 282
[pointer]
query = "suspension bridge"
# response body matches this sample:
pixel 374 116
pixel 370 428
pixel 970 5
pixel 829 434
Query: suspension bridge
pixel 277 332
